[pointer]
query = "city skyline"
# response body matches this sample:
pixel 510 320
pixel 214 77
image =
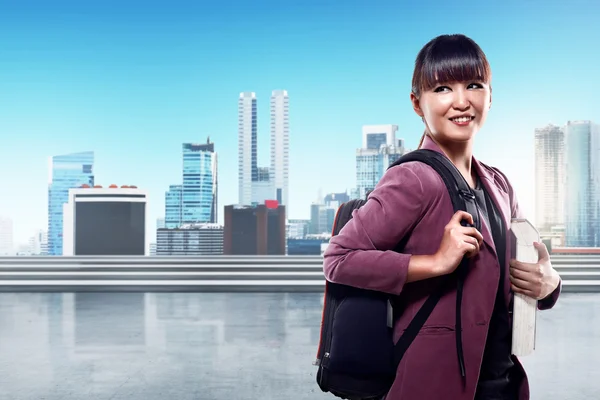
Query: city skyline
pixel 137 96
pixel 90 155
pixel 551 153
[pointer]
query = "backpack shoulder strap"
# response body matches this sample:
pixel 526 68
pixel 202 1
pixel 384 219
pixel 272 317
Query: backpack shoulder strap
pixel 462 199
pixel 460 193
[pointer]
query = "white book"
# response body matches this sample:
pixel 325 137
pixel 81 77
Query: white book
pixel 524 307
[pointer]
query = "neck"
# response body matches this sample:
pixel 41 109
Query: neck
pixel 461 155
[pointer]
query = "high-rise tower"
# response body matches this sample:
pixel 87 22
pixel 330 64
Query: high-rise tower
pixel 582 200
pixel 280 146
pixel 549 177
pixel 247 146
pixel 67 171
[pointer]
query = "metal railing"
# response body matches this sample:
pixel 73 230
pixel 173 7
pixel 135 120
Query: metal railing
pixel 211 273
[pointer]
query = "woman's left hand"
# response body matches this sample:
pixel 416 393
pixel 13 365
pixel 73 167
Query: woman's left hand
pixel 537 280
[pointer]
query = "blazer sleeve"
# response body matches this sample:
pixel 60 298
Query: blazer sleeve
pixel 549 301
pixel 362 255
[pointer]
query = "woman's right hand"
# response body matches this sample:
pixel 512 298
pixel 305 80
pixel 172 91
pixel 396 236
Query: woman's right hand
pixel 457 242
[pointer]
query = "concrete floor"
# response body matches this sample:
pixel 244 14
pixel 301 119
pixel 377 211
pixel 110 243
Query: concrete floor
pixel 225 346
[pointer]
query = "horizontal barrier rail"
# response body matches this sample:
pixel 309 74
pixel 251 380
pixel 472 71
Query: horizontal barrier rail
pixel 211 273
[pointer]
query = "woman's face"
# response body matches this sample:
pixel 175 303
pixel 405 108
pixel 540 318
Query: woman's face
pixel 454 111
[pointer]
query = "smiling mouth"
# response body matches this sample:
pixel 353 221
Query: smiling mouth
pixel 462 119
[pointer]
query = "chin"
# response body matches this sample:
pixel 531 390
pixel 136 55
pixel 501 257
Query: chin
pixel 456 137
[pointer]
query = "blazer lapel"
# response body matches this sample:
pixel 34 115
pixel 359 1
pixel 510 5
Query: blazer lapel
pixel 501 200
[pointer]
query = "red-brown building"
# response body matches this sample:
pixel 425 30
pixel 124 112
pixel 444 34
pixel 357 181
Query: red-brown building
pixel 254 230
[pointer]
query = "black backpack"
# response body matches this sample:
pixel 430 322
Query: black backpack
pixel 357 358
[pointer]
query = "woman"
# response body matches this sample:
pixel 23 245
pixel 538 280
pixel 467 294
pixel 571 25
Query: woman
pixel 451 92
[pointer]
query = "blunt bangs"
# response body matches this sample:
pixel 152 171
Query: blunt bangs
pixel 448 59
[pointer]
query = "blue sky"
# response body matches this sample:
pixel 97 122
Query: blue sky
pixel 132 82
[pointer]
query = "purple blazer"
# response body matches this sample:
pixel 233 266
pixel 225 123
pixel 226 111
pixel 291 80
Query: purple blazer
pixel 412 199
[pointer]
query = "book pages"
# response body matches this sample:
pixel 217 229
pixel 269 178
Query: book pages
pixel 524 307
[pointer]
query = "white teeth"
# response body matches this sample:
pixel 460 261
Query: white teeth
pixel 462 119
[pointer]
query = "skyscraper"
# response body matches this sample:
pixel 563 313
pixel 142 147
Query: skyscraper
pixel 199 191
pixel 173 207
pixel 247 146
pixel 67 172
pixel 195 201
pixel 549 177
pixel 280 145
pixel 582 201
pixel 380 149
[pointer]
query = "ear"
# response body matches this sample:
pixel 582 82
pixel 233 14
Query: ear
pixel 490 106
pixel 415 104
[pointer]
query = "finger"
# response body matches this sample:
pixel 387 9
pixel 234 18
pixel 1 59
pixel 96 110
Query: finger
pixel 472 252
pixel 471 232
pixel 521 283
pixel 527 293
pixel 521 266
pixel 523 275
pixel 471 246
pixel 460 215
pixel 471 240
pixel 542 251
pixel 469 243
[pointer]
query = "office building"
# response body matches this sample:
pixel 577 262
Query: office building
pixel 259 184
pixel 262 187
pixel 311 245
pixel 321 219
pixel 66 172
pixel 195 200
pixel 549 178
pixel 297 228
pixel 38 244
pixel 173 201
pixel 582 200
pixel 380 149
pixel 190 240
pixel 247 146
pixel 255 230
pixel 109 221
pixel 335 200
pixel 199 189
pixel 280 145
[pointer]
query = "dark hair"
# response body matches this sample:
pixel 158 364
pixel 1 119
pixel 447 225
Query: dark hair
pixel 449 58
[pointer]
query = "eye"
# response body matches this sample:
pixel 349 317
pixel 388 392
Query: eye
pixel 441 89
pixel 474 85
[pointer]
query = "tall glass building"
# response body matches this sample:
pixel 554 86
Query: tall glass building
pixel 549 177
pixel 582 194
pixel 195 201
pixel 280 146
pixel 68 171
pixel 380 149
pixel 247 146
pixel 173 207
pixel 199 191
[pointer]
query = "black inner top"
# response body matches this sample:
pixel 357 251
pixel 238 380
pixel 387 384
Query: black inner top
pixel 494 382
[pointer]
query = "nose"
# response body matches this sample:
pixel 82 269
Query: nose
pixel 461 99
